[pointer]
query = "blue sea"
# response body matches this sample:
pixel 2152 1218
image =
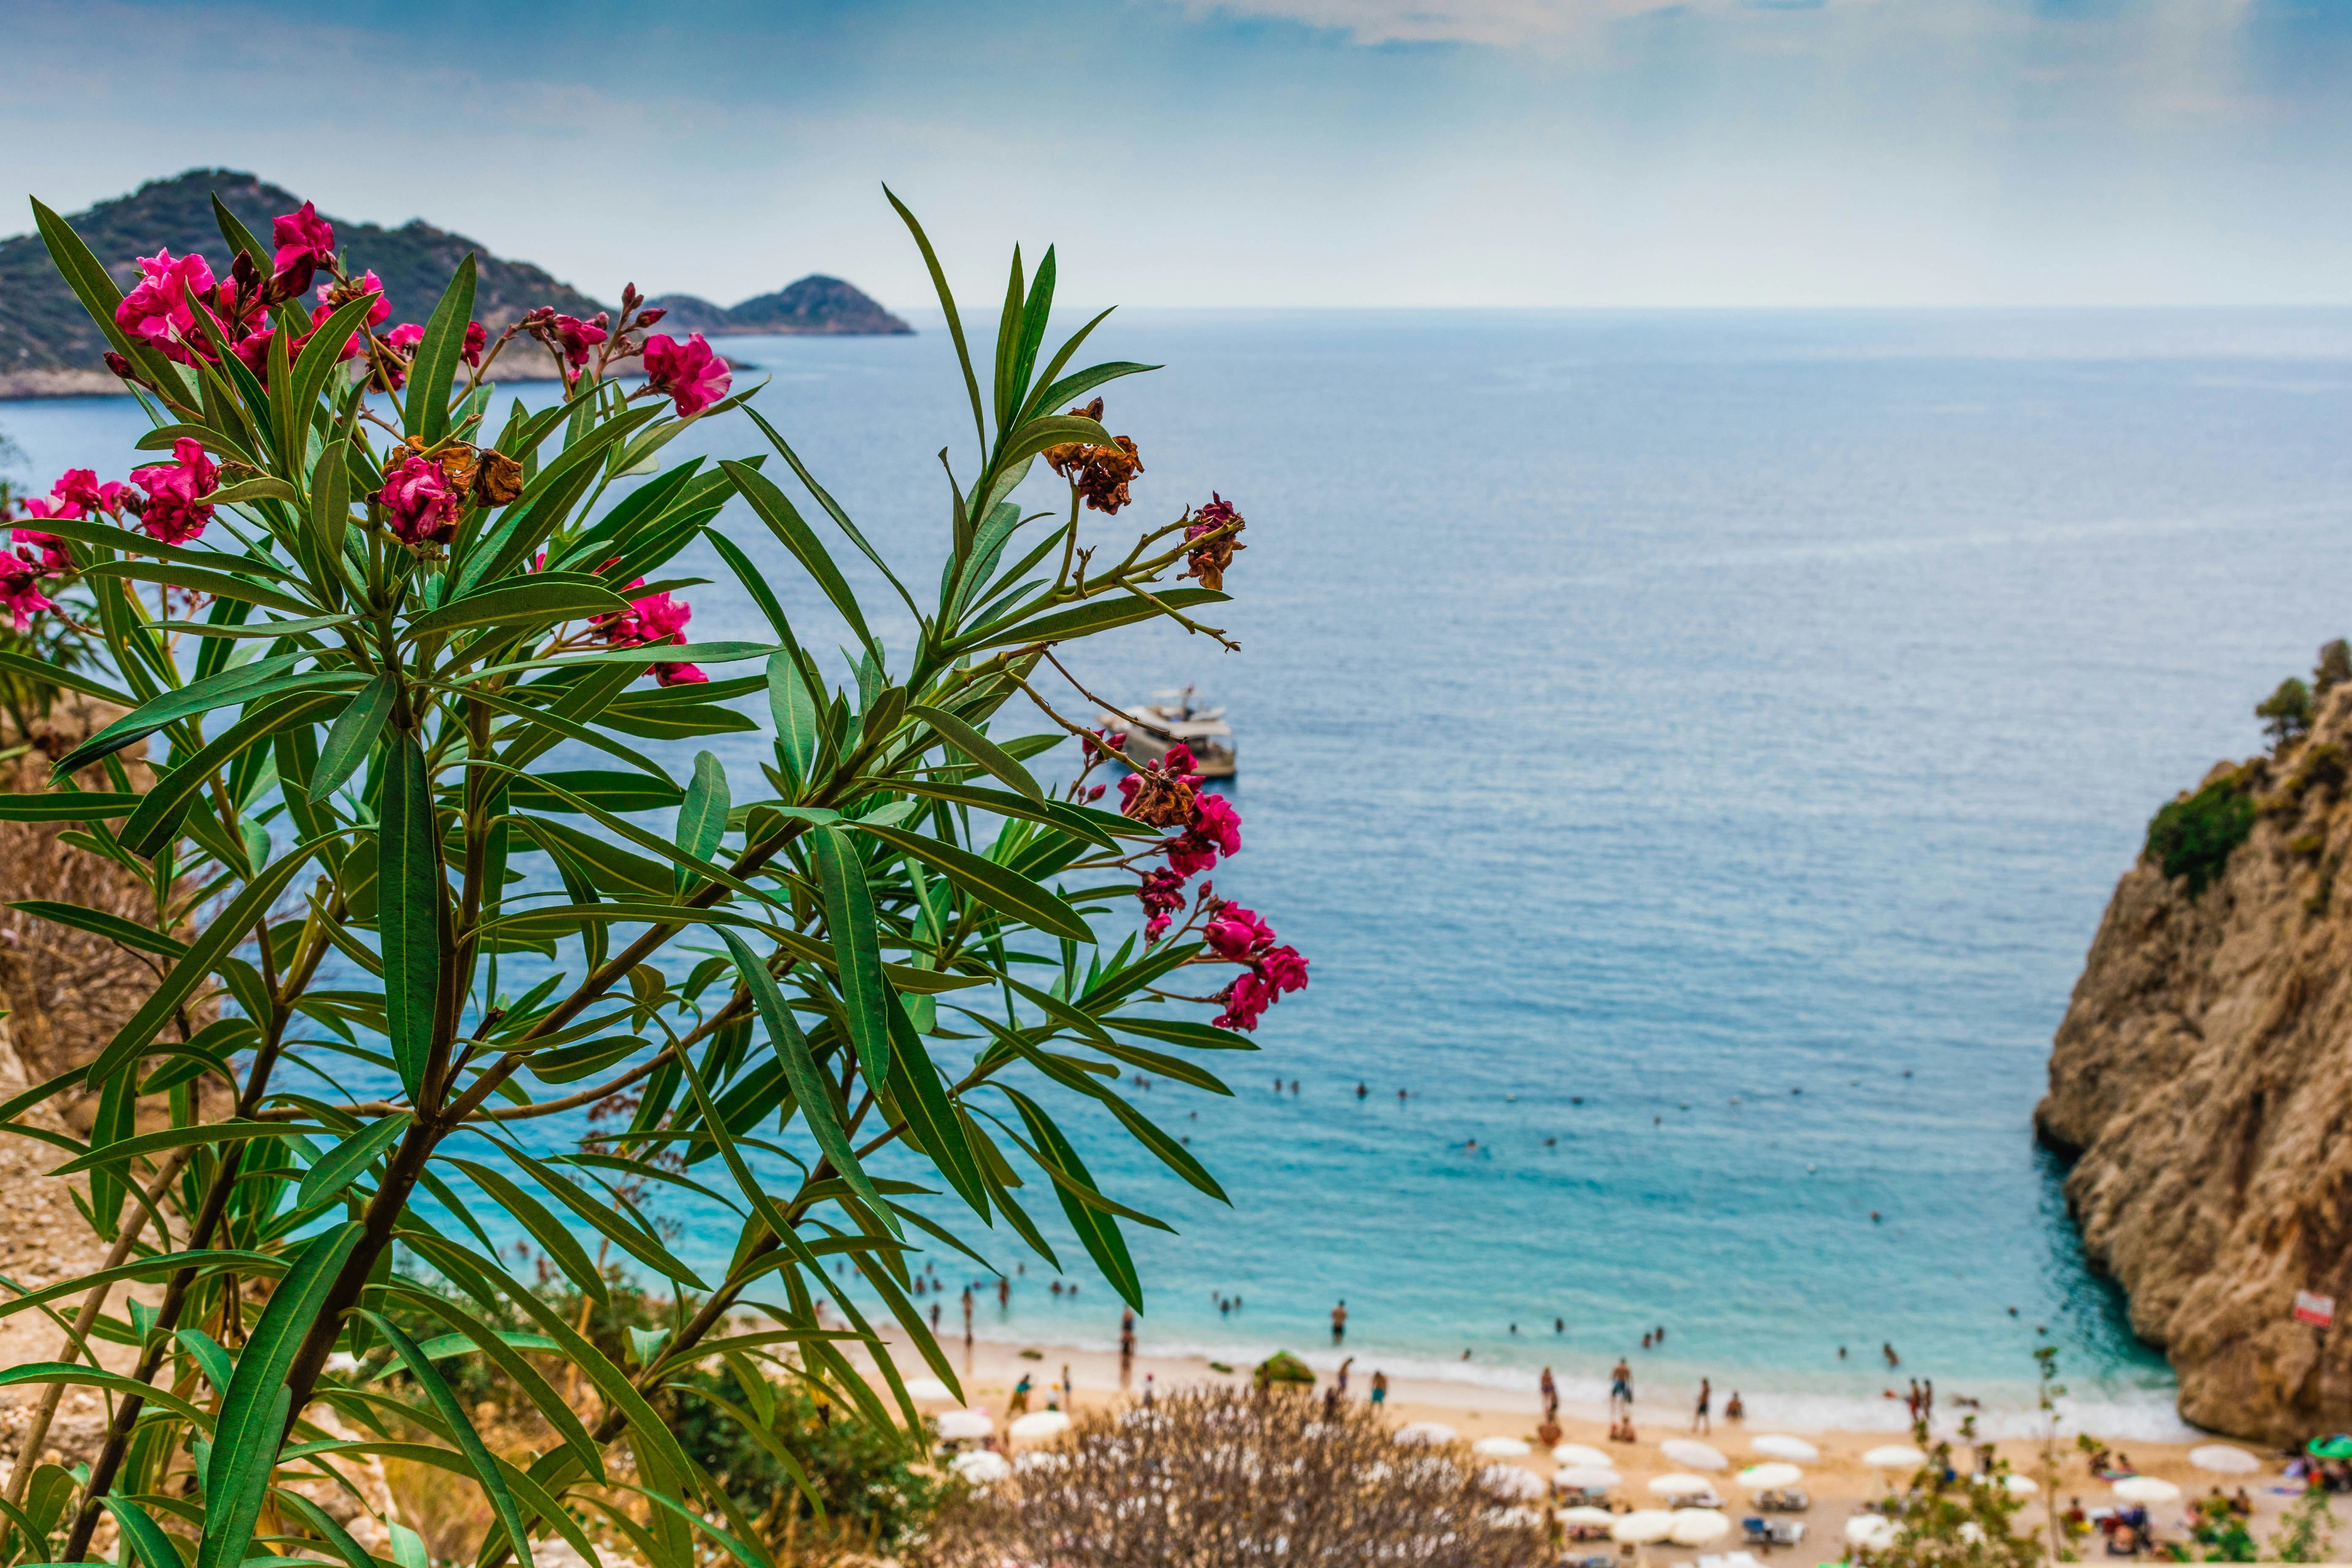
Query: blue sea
pixel 1695 752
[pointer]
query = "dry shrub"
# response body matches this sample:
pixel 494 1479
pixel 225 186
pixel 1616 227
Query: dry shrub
pixel 448 1512
pixel 1215 1478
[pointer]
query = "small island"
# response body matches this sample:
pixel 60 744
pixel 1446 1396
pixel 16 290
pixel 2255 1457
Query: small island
pixel 816 305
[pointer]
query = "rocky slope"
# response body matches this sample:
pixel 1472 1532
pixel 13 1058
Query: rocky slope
pixel 2203 1077
pixel 816 304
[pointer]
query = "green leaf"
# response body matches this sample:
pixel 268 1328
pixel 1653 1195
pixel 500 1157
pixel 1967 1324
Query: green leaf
pixel 947 303
pixel 810 1089
pixel 197 1135
pixel 1082 620
pixel 461 1426
pixel 931 1121
pixel 227 929
pixel 349 1160
pixel 784 520
pixel 353 735
pixel 156 822
pixel 999 887
pixel 67 805
pixel 219 584
pixel 849 919
pixel 238 685
pixel 262 488
pixel 409 909
pixel 319 360
pixel 438 353
pixel 550 1232
pixel 252 1413
pixel 500 1349
pixel 1098 1233
pixel 1180 1032
pixel 797 728
pixel 141 1534
pixel 702 818
pixel 979 748
pixel 531 599
pixel 98 922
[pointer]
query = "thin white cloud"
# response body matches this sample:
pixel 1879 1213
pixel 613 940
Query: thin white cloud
pixel 1497 22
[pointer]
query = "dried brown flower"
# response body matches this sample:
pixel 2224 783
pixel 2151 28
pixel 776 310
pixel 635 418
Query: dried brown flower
pixel 1161 797
pixel 1100 473
pixel 497 478
pixel 1210 556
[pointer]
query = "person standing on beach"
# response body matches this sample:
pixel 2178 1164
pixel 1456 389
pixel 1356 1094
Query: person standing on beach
pixel 1551 1396
pixel 1004 1293
pixel 1126 1344
pixel 1069 1389
pixel 967 1317
pixel 1620 1388
pixel 1340 1381
pixel 1927 1401
pixel 1379 1388
pixel 1020 1405
pixel 1699 1421
pixel 1339 1322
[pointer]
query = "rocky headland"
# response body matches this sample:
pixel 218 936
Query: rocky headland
pixel 2202 1085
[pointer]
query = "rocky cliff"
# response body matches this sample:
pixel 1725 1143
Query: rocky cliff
pixel 815 305
pixel 2202 1079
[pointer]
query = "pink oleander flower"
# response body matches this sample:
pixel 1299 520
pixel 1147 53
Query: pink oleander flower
pixel 331 295
pixel 42 506
pixel 1285 969
pixel 303 234
pixel 1162 893
pixel 172 514
pixel 160 311
pixel 578 337
pixel 1246 1000
pixel 20 591
pixel 406 335
pixel 693 375
pixel 679 674
pixel 79 488
pixel 478 338
pixel 1216 829
pixel 319 314
pixel 419 501
pixel 653 621
pixel 52 557
pixel 253 350
pixel 1236 932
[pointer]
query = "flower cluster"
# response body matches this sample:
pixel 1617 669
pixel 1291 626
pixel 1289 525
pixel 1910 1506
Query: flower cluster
pixel 1168 794
pixel 688 372
pixel 174 511
pixel 1100 473
pixel 40 555
pixel 421 500
pixel 1213 526
pixel 575 342
pixel 653 621
pixel 1271 969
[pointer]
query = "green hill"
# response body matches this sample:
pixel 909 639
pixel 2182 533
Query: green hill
pixel 43 327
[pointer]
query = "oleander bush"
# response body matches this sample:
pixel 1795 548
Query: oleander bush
pixel 413 680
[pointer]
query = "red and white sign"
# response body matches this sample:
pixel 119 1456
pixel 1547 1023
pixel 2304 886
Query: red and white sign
pixel 2315 1309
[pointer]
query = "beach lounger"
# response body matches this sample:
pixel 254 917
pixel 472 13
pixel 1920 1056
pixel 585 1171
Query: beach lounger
pixel 1783 1500
pixel 1787 1531
pixel 1756 1530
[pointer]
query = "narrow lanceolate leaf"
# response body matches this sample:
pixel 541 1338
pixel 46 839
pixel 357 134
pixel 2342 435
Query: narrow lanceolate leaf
pixel 252 1418
pixel 531 599
pixel 154 824
pixel 1082 620
pixel 238 685
pixel 528 1212
pixel 408 905
pixel 461 1427
pixel 795 714
pixel 98 922
pixel 702 819
pixel 931 1121
pixel 784 520
pixel 67 805
pixel 999 887
pixel 1097 1232
pixel 849 918
pixel 810 1090
pixel 232 926
pixel 979 748
pixel 141 1534
pixel 436 356
pixel 353 734
pixel 347 1159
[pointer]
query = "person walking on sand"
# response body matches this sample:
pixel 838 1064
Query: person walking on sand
pixel 1339 1322
pixel 1927 1401
pixel 1699 1421
pixel 967 1317
pixel 1020 1405
pixel 1379 1388
pixel 1069 1389
pixel 1004 1293
pixel 1339 1381
pixel 1620 1388
pixel 1550 1391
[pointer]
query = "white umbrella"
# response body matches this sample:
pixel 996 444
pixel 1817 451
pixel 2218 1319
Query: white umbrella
pixel 1518 1517
pixel 980 1466
pixel 1501 1448
pixel 1511 1481
pixel 1769 1478
pixel 1680 1485
pixel 1871 1532
pixel 1425 1431
pixel 1041 1460
pixel 2146 1489
pixel 2019 1486
pixel 1894 1456
pixel 1643 1526
pixel 927 1388
pixel 1697 1526
pixel 1578 1454
pixel 959 1426
pixel 1586 1478
pixel 1693 1456
pixel 1599 1516
pixel 1039 1425
pixel 2223 1460
pixel 1780 1446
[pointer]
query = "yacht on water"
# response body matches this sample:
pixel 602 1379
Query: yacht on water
pixel 1171 716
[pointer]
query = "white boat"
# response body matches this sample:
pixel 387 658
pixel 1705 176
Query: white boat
pixel 1171 716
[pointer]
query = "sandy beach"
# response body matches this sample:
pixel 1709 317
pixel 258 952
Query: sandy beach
pixel 1839 1483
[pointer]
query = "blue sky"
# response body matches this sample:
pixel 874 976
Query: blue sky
pixel 1267 153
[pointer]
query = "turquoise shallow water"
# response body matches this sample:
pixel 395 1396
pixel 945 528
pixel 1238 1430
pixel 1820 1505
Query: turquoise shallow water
pixel 1644 719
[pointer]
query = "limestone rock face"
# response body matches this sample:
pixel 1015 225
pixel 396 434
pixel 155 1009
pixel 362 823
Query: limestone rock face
pixel 2203 1076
